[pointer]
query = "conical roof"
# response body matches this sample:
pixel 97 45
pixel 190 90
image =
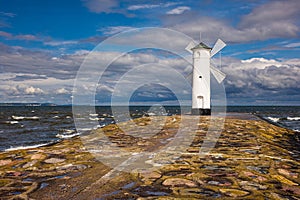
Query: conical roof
pixel 201 45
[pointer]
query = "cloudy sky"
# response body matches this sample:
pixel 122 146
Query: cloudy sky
pixel 43 45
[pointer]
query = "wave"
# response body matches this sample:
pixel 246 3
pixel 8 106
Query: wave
pixel 11 122
pixel 84 129
pixel 99 126
pixel 293 118
pixel 17 117
pixel 24 118
pixel 67 136
pixel 94 119
pixel 93 115
pixel 274 119
pixel 29 147
pixel 68 131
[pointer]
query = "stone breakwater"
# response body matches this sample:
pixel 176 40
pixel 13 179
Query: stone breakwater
pixel 251 160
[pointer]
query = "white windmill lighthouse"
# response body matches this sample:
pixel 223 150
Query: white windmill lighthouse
pixel 201 75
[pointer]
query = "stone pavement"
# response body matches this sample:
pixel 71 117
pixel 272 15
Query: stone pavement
pixel 252 159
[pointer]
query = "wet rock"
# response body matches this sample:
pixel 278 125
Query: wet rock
pixel 294 189
pixel 234 192
pixel 198 192
pixel 276 196
pixel 17 173
pixel 287 173
pixel 219 183
pixel 72 167
pixel 249 174
pixel 37 157
pixel 30 164
pixel 252 186
pixel 193 150
pixel 54 160
pixel 284 180
pixel 197 177
pixel 149 176
pixel 175 182
pixel 143 143
pixel 260 179
pixel 20 197
pixel 261 170
pixel 5 162
pixel 213 183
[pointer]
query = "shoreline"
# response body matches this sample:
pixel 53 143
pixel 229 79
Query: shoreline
pixel 75 135
pixel 252 159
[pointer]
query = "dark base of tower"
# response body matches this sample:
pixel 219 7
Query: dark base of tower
pixel 201 111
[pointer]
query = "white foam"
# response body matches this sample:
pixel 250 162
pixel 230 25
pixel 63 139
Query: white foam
pixel 84 129
pixel 94 119
pixel 67 136
pixel 274 119
pixel 13 122
pixel 151 114
pixel 98 126
pixel 22 117
pixel 32 118
pixel 27 147
pixel 68 131
pixel 93 115
pixel 55 117
pixel 17 117
pixel 293 118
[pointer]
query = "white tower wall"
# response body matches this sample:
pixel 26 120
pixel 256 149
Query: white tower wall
pixel 201 79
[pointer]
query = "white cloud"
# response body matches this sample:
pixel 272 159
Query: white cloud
pixel 33 90
pixel 60 43
pixel 275 19
pixel 5 34
pixel 81 52
pixel 101 6
pixel 26 37
pixel 7 14
pixel 62 91
pixel 292 45
pixel 259 63
pixel 257 75
pixel 249 78
pixel 151 6
pixel 143 6
pixel 179 10
pixel 114 29
pixel 271 13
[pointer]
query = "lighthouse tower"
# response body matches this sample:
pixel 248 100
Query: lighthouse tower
pixel 201 80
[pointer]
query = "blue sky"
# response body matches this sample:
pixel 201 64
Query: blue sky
pixel 43 44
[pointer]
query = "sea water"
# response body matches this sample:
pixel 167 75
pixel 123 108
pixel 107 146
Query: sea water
pixel 24 127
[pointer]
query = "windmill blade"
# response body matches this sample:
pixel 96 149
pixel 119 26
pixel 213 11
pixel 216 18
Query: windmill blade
pixel 189 77
pixel 188 58
pixel 191 45
pixel 220 76
pixel 217 47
